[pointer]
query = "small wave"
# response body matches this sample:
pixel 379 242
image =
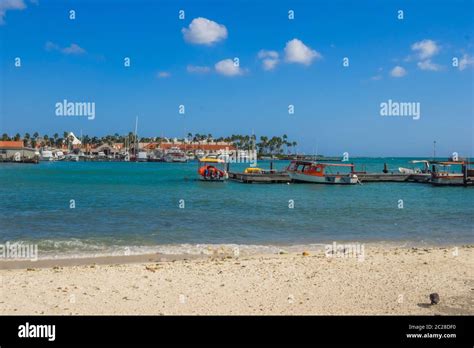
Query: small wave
pixel 76 248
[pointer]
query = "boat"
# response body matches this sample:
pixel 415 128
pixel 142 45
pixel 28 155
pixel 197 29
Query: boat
pixel 199 154
pixel 71 157
pixel 253 170
pixel 190 156
pixel 174 154
pixel 212 169
pixel 418 174
pixel 445 173
pixel 416 170
pixel 321 173
pixel 59 155
pixel 142 156
pixel 46 155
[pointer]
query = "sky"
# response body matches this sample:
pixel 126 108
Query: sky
pixel 405 57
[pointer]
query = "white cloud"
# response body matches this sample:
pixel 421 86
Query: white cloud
pixel 227 67
pixel 269 59
pixel 465 62
pixel 163 74
pixel 203 31
pixel 398 71
pixel 269 64
pixel 297 52
pixel 51 46
pixel 267 54
pixel 428 65
pixel 425 49
pixel 196 69
pixel 10 5
pixel 71 49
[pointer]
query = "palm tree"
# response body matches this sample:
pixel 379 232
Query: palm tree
pixel 26 140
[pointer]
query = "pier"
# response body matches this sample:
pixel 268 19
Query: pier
pixel 265 178
pixel 393 177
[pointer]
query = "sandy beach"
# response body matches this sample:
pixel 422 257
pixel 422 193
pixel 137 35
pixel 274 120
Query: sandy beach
pixel 389 280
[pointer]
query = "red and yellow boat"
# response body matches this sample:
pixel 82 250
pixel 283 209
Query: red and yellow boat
pixel 212 169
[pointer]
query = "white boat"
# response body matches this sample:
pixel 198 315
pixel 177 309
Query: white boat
pixel 416 170
pixel 200 154
pixel 71 157
pixel 142 156
pixel 321 173
pixel 175 154
pixel 59 155
pixel 46 155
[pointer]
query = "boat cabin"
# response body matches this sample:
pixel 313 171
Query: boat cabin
pixel 320 169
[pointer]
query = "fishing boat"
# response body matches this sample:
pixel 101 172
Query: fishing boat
pixel 322 173
pixel 212 169
pixel 175 154
pixel 452 173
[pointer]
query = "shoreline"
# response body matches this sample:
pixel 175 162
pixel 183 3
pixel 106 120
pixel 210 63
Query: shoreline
pixel 201 251
pixel 389 280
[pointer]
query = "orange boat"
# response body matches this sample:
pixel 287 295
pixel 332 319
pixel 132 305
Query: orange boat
pixel 322 173
pixel 212 169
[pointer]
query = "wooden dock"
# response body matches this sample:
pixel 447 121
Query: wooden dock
pixel 265 178
pixel 393 177
pixel 282 177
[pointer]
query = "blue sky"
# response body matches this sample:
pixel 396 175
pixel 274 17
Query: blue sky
pixel 337 108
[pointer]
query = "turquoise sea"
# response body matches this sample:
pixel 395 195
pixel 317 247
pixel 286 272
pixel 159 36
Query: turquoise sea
pixel 136 207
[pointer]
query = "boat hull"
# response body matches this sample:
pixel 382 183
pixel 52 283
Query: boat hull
pixel 449 180
pixel 327 179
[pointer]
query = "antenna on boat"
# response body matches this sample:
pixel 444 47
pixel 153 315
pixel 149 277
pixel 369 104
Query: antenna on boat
pixel 434 149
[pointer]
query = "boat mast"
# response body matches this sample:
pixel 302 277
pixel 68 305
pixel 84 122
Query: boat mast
pixel 136 140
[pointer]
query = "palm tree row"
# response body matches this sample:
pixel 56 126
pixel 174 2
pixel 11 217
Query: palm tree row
pixel 270 146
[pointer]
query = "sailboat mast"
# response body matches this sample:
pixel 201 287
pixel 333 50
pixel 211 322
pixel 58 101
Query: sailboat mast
pixel 136 140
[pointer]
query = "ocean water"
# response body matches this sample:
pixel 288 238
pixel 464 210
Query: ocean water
pixel 134 207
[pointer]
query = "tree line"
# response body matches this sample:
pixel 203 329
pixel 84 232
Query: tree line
pixel 264 145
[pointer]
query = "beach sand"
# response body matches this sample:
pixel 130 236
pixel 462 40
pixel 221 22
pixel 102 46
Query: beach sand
pixel 390 280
